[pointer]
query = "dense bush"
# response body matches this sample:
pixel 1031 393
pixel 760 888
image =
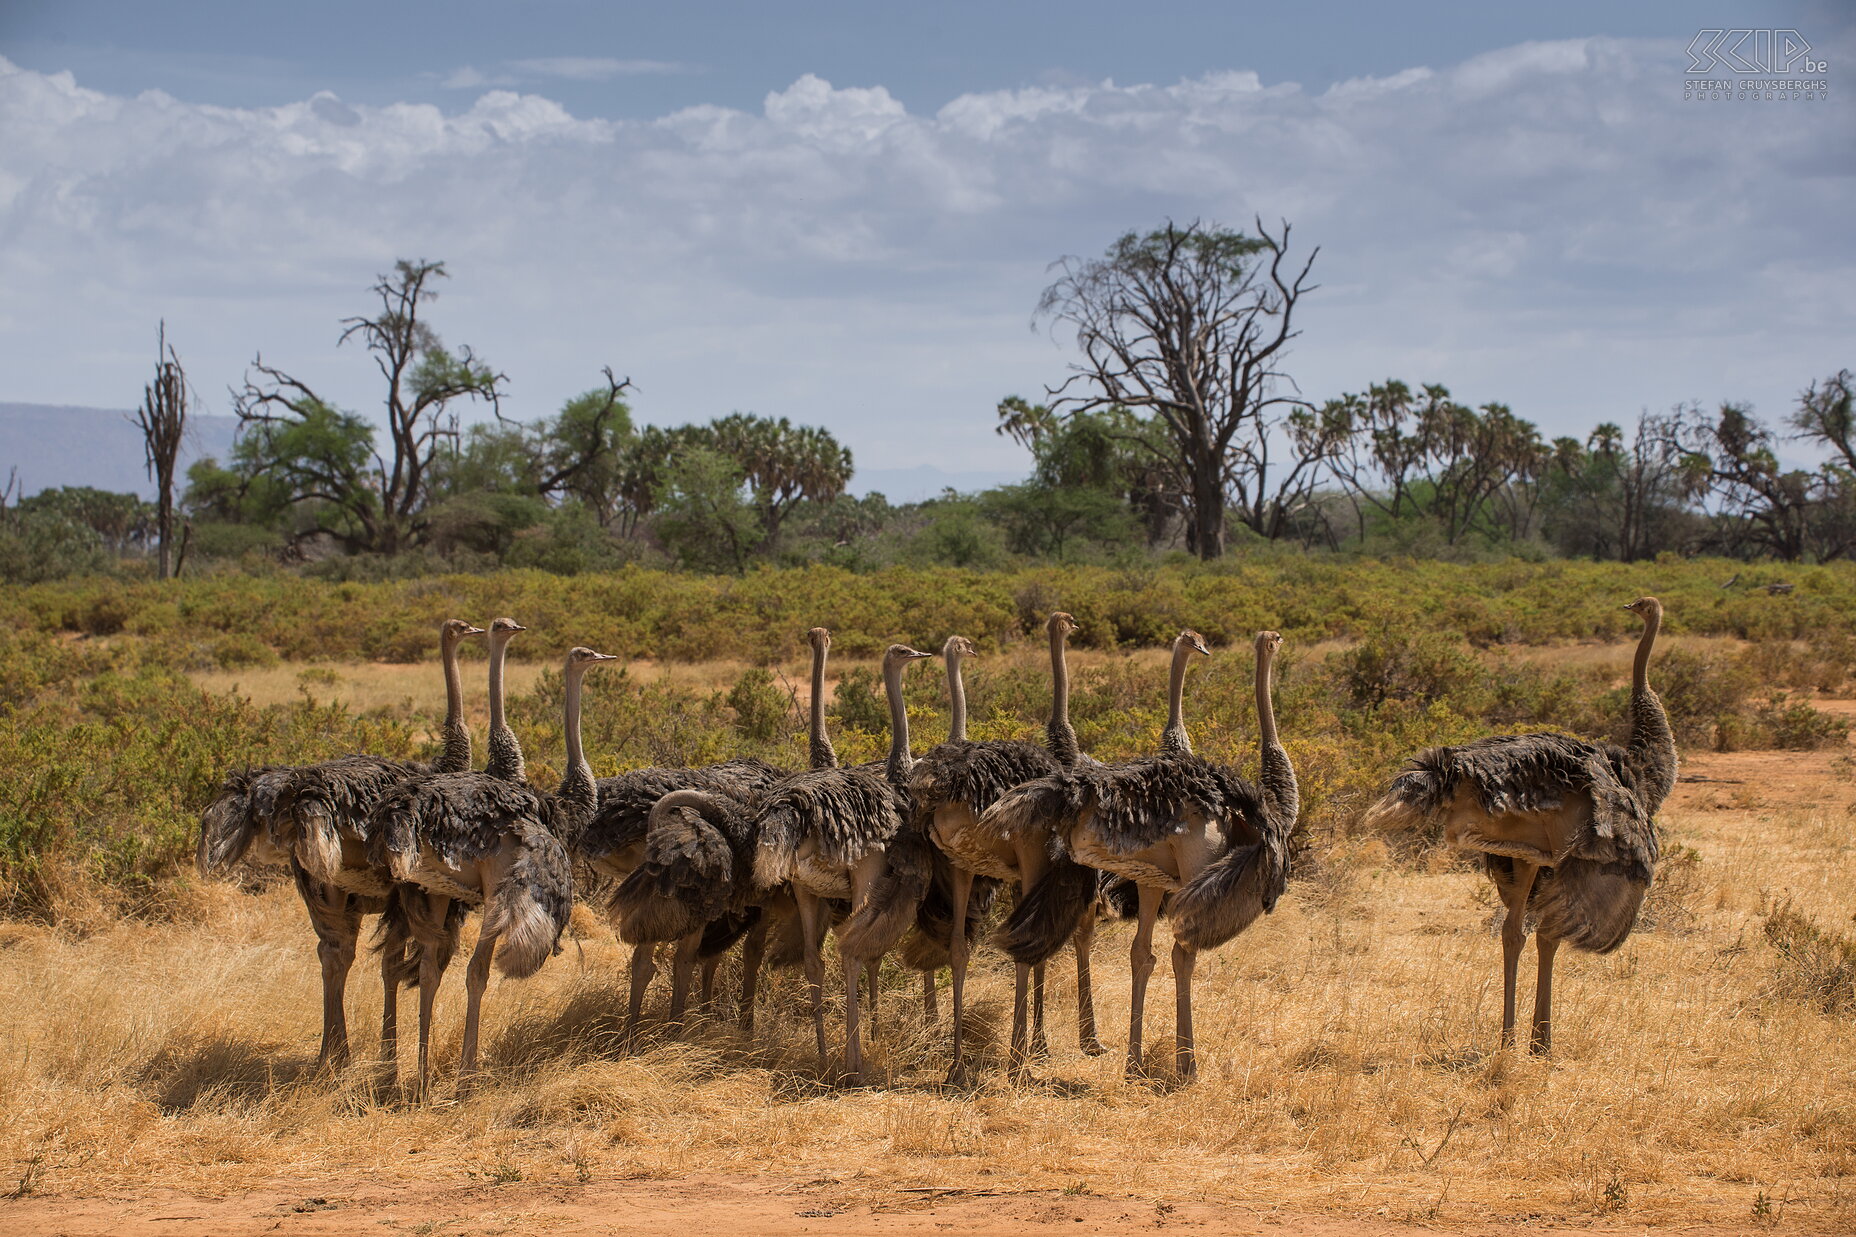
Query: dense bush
pixel 114 750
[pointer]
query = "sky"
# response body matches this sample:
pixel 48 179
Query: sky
pixel 845 213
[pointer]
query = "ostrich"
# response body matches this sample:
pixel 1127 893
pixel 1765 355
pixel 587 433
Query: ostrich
pixel 1566 827
pixel 695 874
pixel 840 833
pixel 615 841
pixel 952 786
pixel 481 840
pixel 313 820
pixel 955 787
pixel 1176 824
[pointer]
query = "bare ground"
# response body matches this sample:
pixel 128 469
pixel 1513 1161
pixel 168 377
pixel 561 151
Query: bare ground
pixel 693 1205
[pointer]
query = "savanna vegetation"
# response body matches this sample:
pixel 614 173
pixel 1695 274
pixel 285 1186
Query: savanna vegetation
pixel 1440 572
pixel 162 1028
pixel 115 743
pixel 1178 429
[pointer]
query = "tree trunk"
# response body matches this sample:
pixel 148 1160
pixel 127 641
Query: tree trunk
pixel 1208 507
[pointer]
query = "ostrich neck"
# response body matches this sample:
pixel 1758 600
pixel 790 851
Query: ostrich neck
pixel 505 749
pixel 957 696
pixel 1059 733
pixel 456 757
pixel 1281 795
pixel 900 761
pixel 1174 741
pixel 824 756
pixel 578 792
pixel 1652 746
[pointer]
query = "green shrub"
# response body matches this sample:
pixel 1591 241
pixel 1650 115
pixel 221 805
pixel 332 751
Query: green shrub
pixel 761 709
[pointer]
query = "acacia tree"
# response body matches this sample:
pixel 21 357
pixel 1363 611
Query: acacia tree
pixel 783 464
pixel 1422 453
pixel 1760 506
pixel 1616 498
pixel 162 419
pixel 380 504
pixel 1187 325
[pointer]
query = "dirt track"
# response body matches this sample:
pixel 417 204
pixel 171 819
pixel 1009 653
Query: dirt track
pixel 686 1208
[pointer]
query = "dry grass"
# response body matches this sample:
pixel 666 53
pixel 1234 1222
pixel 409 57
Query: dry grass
pixel 1346 1045
pixel 366 686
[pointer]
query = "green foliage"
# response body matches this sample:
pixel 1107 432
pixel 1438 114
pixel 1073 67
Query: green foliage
pixel 48 546
pixel 762 711
pixel 703 519
pixel 116 751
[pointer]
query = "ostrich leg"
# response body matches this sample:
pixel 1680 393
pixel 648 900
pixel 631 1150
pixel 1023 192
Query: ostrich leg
pixel 338 926
pixel 957 958
pixel 1542 1039
pixel 810 931
pixel 1185 1059
pixel 682 967
pixel 1514 935
pixel 476 979
pixel 643 967
pixel 1083 941
pixel 752 950
pixel 1141 963
pixel 709 967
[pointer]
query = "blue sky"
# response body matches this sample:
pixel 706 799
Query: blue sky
pixel 845 213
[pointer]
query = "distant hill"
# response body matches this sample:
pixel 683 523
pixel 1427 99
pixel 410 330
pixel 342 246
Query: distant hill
pixel 924 481
pixel 53 445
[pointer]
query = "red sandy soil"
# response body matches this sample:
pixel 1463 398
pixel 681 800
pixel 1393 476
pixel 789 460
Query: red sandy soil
pixel 686 1208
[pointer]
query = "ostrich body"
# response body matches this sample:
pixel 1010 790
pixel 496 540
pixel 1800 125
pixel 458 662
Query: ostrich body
pixel 1181 829
pixel 1566 827
pixel 313 819
pixel 475 839
pixel 953 785
pixel 842 833
pixel 616 840
pixel 958 788
pixel 694 885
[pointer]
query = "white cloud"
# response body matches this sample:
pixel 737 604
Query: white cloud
pixel 1549 225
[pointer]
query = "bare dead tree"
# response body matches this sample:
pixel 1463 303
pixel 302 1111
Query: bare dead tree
pixel 162 419
pixel 1188 325
pixel 384 502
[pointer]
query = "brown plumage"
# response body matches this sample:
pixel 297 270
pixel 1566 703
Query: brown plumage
pixel 1567 826
pixel 612 843
pixel 955 788
pixel 832 833
pixel 313 819
pixel 1188 833
pixel 481 840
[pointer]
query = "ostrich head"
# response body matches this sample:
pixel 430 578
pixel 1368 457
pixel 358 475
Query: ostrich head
pixel 580 657
pixel 1193 640
pixel 503 628
pixel 819 638
pixel 958 646
pixel 1063 624
pixel 453 630
pixel 1646 607
pixel 1268 642
pixel 902 654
